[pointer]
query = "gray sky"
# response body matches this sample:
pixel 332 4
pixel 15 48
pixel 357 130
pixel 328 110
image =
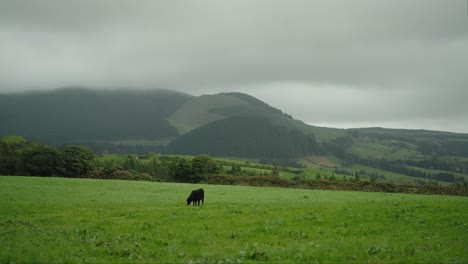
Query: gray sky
pixel 339 63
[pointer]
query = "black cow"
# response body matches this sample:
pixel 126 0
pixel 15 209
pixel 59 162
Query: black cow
pixel 196 196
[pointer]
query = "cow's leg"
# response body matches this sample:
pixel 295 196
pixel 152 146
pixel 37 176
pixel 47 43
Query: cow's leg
pixel 202 201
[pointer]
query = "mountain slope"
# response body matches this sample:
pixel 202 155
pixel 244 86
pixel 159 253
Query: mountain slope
pixel 127 117
pixel 245 137
pixel 78 114
pixel 201 110
pixel 227 124
pixel 420 155
pixel 425 142
pixel 208 108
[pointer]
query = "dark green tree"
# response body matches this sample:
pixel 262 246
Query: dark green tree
pixel 275 171
pixel 155 167
pixel 318 176
pixel 38 160
pixel 75 161
pixel 200 165
pixel 8 159
pixel 181 170
pixel 235 169
pixel 356 176
pixel 130 163
pixel 204 164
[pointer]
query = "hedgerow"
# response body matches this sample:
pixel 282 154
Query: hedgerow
pixel 323 184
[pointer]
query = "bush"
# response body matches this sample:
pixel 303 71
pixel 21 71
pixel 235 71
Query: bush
pixel 323 184
pixel 112 174
pixel 144 177
pixel 75 161
pixel 250 181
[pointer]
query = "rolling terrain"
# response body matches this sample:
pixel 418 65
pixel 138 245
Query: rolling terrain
pixel 228 125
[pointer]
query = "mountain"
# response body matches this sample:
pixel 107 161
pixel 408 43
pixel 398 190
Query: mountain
pixel 227 124
pixel 209 108
pixel 144 120
pixel 402 155
pixel 81 115
pixel 239 136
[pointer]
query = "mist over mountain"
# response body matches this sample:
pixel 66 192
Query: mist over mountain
pixel 226 125
pixel 116 120
pixel 251 137
pixel 79 114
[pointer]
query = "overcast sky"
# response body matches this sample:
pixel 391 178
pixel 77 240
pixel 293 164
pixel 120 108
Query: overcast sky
pixel 339 63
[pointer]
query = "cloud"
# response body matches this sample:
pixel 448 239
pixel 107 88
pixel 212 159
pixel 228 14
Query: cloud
pixel 363 60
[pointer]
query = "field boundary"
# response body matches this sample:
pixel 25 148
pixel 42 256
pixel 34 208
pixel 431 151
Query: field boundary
pixel 323 184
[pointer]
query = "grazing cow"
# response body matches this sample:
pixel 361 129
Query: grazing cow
pixel 196 196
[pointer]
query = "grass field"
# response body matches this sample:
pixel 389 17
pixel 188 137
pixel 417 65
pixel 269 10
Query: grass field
pixel 55 220
pixel 375 150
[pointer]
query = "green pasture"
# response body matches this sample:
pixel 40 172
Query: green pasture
pixel 57 220
pixel 12 139
pixel 375 150
pixel 389 175
pixel 320 161
pixel 238 160
pixel 142 142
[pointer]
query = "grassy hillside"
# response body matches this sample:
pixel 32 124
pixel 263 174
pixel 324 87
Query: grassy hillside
pixel 205 109
pixel 77 220
pixel 424 141
pixel 245 137
pixel 83 115
pixel 200 111
pixel 127 121
pixel 227 125
pixel 12 139
pixel 417 156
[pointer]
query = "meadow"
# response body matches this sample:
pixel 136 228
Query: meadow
pixel 56 220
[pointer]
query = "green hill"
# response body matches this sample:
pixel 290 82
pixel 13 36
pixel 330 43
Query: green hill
pixel 205 109
pixel 125 121
pixel 227 124
pixel 245 137
pixel 83 115
pixel 202 110
pixel 12 139
pixel 420 154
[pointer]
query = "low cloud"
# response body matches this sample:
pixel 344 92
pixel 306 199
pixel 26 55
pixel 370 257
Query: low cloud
pixel 325 62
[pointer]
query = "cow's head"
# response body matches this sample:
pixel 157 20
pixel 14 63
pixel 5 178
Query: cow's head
pixel 188 201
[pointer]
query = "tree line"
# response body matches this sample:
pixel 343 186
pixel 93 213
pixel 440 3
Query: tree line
pixel 21 157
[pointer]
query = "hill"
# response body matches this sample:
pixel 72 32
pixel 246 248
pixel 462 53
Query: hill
pixel 205 109
pixel 228 124
pixel 420 154
pixel 246 137
pixel 84 115
pixel 137 121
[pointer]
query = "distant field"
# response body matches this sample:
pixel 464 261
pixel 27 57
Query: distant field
pixel 374 150
pixel 320 161
pixel 390 176
pixel 143 142
pixel 45 220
